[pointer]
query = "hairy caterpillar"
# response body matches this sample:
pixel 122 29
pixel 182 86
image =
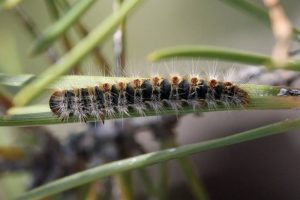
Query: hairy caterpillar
pixel 156 93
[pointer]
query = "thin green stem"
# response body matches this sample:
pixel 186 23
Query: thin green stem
pixel 250 8
pixel 65 40
pixel 52 9
pixel 27 21
pixel 163 181
pixel 157 157
pixel 32 29
pixel 209 52
pixel 164 171
pixel 147 183
pixel 53 32
pixel 101 61
pixel 192 179
pixel 97 36
pixel 41 115
pixel 125 185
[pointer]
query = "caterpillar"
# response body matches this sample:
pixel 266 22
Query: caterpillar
pixel 156 93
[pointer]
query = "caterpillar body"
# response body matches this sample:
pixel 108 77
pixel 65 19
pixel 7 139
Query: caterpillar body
pixel 156 93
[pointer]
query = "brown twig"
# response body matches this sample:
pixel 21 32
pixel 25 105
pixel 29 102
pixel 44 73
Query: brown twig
pixel 282 31
pixel 119 41
pixel 65 39
pixel 99 58
pixel 33 31
pixel 83 31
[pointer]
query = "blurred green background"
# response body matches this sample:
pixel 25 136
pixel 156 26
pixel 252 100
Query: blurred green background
pixel 155 25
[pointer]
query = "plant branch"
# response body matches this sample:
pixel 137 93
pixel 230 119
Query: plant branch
pixel 96 37
pixel 190 174
pixel 83 31
pixel 41 115
pixel 192 179
pixel 66 43
pixel 210 52
pixel 157 157
pixel 124 182
pixel 33 31
pixel 119 41
pixel 282 31
pixel 53 32
pixel 147 183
